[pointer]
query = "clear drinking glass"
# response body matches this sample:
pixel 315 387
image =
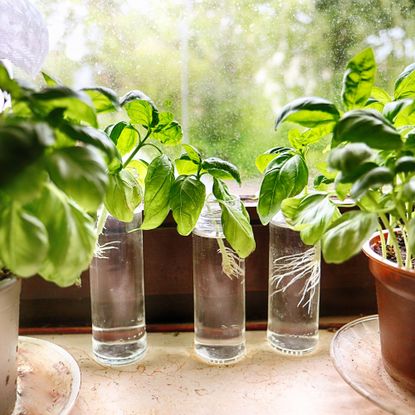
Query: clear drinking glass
pixel 219 291
pixel 9 328
pixel 294 290
pixel 117 294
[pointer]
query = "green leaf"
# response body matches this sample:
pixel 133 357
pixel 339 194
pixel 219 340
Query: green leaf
pixel 171 134
pixel 140 108
pixel 23 240
pixel 321 182
pixel 392 109
pixel 51 80
pixel 358 79
pixel 406 116
pixel 20 146
pixel 263 160
pixel 123 195
pixel 221 191
pixel 311 136
pixel 187 197
pixel 72 233
pixel 347 234
pixel 104 99
pixel 139 169
pixel 159 180
pixel 408 191
pixel 81 173
pixel 237 229
pixel 380 95
pixel 7 83
pixel 348 158
pixel 221 169
pixel 367 127
pixel 193 153
pixel 185 165
pixel 405 83
pixel 405 164
pixel 373 179
pixel 78 105
pixel 309 112
pixel 91 136
pixel 311 215
pixel 124 136
pixel 280 182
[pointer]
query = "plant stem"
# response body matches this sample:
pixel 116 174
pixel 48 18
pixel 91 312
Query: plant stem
pixel 382 241
pixel 101 220
pixel 392 237
pixel 137 149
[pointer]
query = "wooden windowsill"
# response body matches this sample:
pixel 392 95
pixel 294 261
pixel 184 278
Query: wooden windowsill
pixel 171 380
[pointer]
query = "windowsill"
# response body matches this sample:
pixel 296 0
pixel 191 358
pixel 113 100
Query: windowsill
pixel 170 380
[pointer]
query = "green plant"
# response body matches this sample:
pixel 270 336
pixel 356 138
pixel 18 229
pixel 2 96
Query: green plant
pixel 371 159
pixel 188 195
pixel 53 178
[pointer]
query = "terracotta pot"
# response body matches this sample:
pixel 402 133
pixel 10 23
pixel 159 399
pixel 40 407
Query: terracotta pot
pixel 395 291
pixel 9 325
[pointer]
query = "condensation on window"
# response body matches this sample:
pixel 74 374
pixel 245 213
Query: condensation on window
pixel 226 67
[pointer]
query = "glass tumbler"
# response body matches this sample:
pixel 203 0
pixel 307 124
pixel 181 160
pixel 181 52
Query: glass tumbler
pixel 293 290
pixel 219 291
pixel 117 294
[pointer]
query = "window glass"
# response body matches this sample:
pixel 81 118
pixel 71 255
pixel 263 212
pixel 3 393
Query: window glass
pixel 226 67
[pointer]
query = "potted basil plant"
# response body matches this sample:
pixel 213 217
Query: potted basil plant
pixel 50 190
pixel 372 160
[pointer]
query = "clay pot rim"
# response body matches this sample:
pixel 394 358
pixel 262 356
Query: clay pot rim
pixel 390 265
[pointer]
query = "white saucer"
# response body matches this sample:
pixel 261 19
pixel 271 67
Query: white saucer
pixel 355 350
pixel 49 378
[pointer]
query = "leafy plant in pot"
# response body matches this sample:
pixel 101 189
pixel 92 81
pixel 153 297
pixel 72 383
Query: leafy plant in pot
pixel 50 190
pixel 372 160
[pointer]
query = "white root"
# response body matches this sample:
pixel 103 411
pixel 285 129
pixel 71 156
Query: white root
pixel 231 263
pixel 100 250
pixel 289 269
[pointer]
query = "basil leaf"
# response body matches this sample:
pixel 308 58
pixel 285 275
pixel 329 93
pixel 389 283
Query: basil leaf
pixel 104 99
pixel 185 165
pixel 263 160
pixel 237 229
pixel 311 215
pixel 123 195
pixel 140 108
pixel 73 235
pixel 405 83
pixel 23 240
pixel 81 173
pixel 392 109
pixel 139 169
pixel 348 158
pixel 193 153
pixel 367 127
pixel 358 79
pixel 158 183
pixel 221 191
pixel 51 80
pixel 281 182
pixel 7 83
pixel 221 169
pixel 171 134
pixel 347 234
pixel 373 179
pixel 380 95
pixel 78 105
pixel 124 136
pixel 405 164
pixel 311 136
pixel 187 197
pixel 91 136
pixel 308 112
